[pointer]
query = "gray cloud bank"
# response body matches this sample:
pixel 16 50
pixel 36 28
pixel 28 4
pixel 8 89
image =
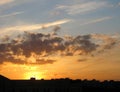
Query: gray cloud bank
pixel 40 48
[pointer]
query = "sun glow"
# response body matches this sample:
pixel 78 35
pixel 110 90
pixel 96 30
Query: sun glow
pixel 35 74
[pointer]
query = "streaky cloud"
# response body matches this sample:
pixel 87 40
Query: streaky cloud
pixel 2 2
pixel 96 20
pixel 33 27
pixel 81 8
pixel 11 14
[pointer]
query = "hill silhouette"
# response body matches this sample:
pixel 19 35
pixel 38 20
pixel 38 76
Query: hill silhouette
pixel 58 85
pixel 3 78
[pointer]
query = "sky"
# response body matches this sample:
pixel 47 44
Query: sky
pixel 47 39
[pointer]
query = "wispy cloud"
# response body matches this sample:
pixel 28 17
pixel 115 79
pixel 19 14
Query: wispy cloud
pixel 11 14
pixel 2 2
pixel 96 20
pixel 82 8
pixel 119 3
pixel 33 26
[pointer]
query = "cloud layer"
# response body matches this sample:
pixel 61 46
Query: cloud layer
pixel 2 2
pixel 39 48
pixel 82 7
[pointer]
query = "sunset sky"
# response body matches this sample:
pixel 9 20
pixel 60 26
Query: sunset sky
pixel 77 39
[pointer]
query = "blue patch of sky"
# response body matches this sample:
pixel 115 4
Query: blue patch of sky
pixel 107 26
pixel 40 11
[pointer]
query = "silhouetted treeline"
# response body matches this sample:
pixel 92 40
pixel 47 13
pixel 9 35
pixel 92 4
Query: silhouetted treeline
pixel 58 85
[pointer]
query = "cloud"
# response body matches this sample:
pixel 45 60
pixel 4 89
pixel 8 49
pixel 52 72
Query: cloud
pixel 97 20
pixel 82 60
pixel 56 29
pixel 119 3
pixel 2 2
pixel 106 41
pixel 35 48
pixel 47 61
pixel 82 7
pixel 40 48
pixel 31 27
pixel 12 14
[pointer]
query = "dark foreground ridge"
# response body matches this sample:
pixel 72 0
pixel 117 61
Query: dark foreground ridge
pixel 58 85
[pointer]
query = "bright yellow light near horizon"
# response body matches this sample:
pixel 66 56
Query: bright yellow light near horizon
pixel 35 74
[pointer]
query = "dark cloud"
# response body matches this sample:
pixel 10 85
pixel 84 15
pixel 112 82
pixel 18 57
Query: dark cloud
pixel 82 60
pixel 47 61
pixel 39 46
pixel 5 38
pixel 106 42
pixel 55 30
pixel 85 44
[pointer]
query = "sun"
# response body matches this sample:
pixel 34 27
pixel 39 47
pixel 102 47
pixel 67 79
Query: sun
pixel 35 74
pixel 32 71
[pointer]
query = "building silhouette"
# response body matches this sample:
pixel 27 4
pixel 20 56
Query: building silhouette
pixel 58 85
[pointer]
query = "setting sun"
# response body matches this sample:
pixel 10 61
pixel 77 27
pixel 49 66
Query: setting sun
pixel 36 75
pixel 33 72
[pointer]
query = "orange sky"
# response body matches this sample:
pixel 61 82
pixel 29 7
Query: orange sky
pixel 103 66
pixel 79 39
